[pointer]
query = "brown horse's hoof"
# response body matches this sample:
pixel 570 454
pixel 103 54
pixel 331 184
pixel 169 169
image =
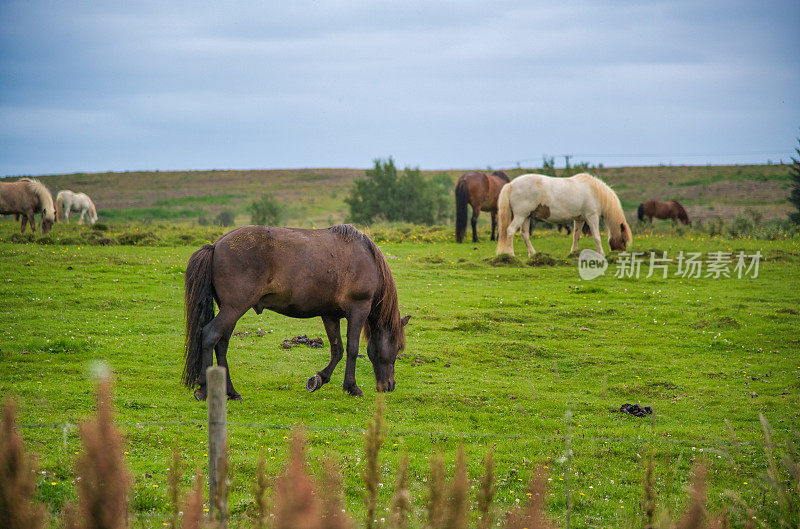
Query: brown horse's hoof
pixel 199 394
pixel 313 383
pixel 355 391
pixel 234 396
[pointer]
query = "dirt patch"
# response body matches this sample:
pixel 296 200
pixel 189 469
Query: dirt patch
pixel 635 410
pixel 302 339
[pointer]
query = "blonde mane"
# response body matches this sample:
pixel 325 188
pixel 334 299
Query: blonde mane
pixel 45 198
pixel 610 207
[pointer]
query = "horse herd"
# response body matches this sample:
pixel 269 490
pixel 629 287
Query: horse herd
pixel 27 197
pixel 581 199
pixel 339 273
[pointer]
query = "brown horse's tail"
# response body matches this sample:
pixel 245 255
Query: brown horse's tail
pixel 199 310
pixel 505 244
pixel 462 200
pixel 640 211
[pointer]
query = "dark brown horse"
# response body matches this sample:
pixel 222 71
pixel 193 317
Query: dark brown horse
pixel 479 190
pixel 663 210
pixel 25 198
pixel 333 273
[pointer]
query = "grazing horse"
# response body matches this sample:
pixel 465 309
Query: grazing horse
pixel 333 273
pixel 481 191
pixel 67 201
pixel 25 198
pixel 663 210
pixel 581 199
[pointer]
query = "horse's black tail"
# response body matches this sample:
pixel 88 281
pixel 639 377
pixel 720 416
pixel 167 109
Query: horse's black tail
pixel 462 200
pixel 199 310
pixel 640 211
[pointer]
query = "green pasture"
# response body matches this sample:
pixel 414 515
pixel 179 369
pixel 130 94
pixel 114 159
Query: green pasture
pixel 529 360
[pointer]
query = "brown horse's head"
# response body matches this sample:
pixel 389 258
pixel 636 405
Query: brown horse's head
pixel 382 348
pixel 47 223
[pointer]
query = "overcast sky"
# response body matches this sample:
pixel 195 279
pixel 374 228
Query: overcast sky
pixel 95 86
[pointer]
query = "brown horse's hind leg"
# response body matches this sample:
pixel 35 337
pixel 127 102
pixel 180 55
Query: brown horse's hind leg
pixel 494 224
pixel 220 327
pixel 355 322
pixel 476 211
pixel 337 351
pixel 222 360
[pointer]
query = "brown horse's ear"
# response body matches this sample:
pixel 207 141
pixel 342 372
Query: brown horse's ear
pixel 405 319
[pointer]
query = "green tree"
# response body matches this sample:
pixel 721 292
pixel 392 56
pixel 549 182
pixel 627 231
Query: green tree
pixel 794 196
pixel 548 166
pixel 410 197
pixel 266 211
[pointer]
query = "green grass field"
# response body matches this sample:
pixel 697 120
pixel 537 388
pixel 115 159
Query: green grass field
pixel 514 356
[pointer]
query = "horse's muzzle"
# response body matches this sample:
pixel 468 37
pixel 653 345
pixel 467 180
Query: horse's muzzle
pixel 386 385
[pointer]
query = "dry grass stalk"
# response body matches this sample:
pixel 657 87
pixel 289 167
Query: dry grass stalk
pixel 70 518
pixel 695 514
pixel 104 480
pixel 437 493
pixel 649 499
pixel 173 486
pixel 722 521
pixel 331 486
pixel 193 505
pixel 260 485
pixel 401 499
pixel 296 505
pixel 458 502
pixel 17 484
pixel 486 492
pixel 373 440
pixel 532 514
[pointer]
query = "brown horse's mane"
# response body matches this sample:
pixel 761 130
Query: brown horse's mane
pixel 385 312
pixel 501 175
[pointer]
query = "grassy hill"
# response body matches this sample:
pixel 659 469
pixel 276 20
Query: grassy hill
pixel 315 197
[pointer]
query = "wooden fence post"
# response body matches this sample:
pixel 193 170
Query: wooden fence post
pixel 217 440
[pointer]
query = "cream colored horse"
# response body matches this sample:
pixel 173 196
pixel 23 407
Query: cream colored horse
pixel 24 198
pixel 67 201
pixel 580 198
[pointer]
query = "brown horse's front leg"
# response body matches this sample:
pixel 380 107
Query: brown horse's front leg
pixel 355 322
pixel 337 351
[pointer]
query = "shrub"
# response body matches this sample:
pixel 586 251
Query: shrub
pixel 410 197
pixel 267 211
pixel 225 218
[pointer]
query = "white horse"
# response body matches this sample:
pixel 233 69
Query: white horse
pixel 580 198
pixel 67 201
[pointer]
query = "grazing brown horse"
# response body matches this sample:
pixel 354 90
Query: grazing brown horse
pixel 333 273
pixel 663 210
pixel 481 191
pixel 25 198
